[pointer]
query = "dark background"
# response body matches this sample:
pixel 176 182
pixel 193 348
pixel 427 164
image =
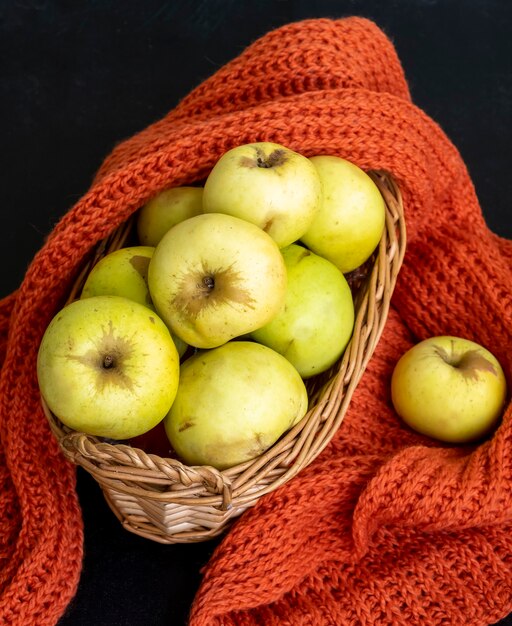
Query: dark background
pixel 78 77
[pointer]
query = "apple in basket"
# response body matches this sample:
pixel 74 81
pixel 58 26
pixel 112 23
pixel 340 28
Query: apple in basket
pixel 108 366
pixel 123 272
pixel 449 388
pixel 316 323
pixel 233 403
pixel 267 184
pixel 168 208
pixel 214 277
pixel 349 225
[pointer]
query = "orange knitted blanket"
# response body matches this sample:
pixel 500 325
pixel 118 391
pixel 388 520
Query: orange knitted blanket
pixel 386 526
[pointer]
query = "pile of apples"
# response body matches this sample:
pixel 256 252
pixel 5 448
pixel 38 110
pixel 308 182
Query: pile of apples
pixel 234 295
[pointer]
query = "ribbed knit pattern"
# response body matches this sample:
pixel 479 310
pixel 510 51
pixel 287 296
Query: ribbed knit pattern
pixel 386 526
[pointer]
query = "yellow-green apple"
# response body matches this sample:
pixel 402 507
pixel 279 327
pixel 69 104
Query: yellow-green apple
pixel 349 225
pixel 233 403
pixel 449 388
pixel 214 277
pixel 107 366
pixel 267 184
pixel 165 210
pixel 124 272
pixel 316 323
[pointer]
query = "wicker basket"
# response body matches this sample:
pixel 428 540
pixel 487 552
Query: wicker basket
pixel 169 502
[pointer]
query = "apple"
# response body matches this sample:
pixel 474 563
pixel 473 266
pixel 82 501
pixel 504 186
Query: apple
pixel 449 388
pixel 349 225
pixel 124 272
pixel 165 210
pixel 316 323
pixel 267 184
pixel 214 277
pixel 233 403
pixel 107 366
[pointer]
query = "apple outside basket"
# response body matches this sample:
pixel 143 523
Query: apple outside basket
pixel 168 501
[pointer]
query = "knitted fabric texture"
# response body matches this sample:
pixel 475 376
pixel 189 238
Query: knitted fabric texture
pixel 386 526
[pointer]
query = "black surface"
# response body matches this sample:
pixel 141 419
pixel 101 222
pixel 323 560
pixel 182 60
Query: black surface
pixel 78 77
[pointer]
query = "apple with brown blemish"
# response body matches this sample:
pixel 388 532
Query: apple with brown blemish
pixel 267 184
pixel 214 277
pixel 124 272
pixel 107 366
pixel 233 403
pixel 449 388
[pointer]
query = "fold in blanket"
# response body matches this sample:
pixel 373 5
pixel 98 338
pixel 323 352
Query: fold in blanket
pixel 386 526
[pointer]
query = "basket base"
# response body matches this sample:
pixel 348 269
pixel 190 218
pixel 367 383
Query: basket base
pixel 167 522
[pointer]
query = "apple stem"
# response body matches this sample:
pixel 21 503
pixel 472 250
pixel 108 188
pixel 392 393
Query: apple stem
pixel 276 157
pixel 209 282
pixel 108 361
pixel 262 163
